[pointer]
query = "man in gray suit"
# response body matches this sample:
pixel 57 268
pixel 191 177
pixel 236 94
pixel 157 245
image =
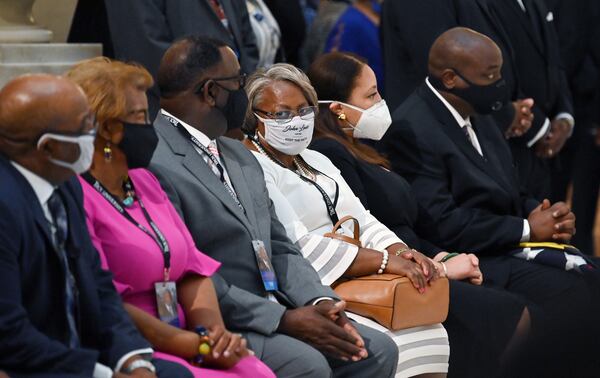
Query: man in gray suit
pixel 295 325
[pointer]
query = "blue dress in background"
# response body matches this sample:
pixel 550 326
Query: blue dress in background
pixel 354 32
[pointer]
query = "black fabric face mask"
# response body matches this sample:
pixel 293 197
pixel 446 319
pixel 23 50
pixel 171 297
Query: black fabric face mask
pixel 235 108
pixel 138 144
pixel 485 99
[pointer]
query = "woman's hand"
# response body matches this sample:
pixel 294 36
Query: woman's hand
pixel 430 270
pixel 227 348
pixel 463 267
pixel 408 268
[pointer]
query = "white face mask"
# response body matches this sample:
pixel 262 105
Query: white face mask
pixel 373 122
pixel 289 138
pixel 86 150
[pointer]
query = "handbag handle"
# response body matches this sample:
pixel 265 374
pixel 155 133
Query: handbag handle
pixel 334 235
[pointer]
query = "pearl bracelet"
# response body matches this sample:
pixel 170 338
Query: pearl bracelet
pixel 384 262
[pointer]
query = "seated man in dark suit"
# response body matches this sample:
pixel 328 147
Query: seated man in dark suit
pixel 295 325
pixel 462 173
pixel 60 315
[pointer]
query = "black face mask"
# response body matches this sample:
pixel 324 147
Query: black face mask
pixel 138 144
pixel 485 99
pixel 235 108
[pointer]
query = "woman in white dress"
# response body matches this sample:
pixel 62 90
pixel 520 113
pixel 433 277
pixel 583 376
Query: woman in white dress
pixel 279 125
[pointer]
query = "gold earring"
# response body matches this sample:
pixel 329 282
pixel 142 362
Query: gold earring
pixel 107 153
pixel 342 116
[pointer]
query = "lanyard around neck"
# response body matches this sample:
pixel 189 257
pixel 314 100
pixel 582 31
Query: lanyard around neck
pixel 157 236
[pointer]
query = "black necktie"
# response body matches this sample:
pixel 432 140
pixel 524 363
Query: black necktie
pixel 59 214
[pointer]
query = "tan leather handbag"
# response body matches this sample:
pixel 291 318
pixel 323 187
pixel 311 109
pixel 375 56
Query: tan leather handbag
pixel 389 299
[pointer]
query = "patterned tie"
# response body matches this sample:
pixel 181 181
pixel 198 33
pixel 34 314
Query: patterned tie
pixel 470 133
pixel 57 209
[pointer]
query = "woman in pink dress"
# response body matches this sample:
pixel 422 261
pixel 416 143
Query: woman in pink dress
pixel 161 276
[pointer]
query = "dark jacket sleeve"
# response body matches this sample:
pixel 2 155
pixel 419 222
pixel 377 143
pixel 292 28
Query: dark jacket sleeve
pixel 458 228
pixel 22 346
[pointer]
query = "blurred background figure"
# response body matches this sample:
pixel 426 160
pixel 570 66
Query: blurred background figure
pixel 267 33
pixel 357 31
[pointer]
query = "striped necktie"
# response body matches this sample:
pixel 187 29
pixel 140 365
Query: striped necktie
pixel 59 214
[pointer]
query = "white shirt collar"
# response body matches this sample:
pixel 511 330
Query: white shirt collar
pixel 202 138
pixel 462 122
pixel 42 188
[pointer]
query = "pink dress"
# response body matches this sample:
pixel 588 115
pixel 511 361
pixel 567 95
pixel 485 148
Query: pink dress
pixel 136 261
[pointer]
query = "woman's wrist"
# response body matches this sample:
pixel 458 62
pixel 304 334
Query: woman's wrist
pixel 440 256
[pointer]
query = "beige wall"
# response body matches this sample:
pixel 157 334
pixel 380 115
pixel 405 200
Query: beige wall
pixel 55 15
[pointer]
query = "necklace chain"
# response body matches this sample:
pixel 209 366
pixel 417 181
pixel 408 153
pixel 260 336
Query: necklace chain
pixel 302 168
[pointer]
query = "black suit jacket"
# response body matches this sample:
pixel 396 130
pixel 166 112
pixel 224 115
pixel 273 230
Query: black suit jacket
pixel 33 321
pixel 141 31
pixel 475 200
pixel 409 28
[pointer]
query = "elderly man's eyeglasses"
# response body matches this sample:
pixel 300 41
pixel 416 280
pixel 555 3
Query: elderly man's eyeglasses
pixel 285 116
pixel 241 80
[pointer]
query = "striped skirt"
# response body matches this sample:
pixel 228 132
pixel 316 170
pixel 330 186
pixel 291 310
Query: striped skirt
pixel 421 350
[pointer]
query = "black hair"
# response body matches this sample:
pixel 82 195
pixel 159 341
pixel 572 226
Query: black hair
pixel 177 75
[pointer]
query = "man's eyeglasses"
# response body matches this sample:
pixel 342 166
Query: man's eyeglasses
pixel 241 80
pixel 285 116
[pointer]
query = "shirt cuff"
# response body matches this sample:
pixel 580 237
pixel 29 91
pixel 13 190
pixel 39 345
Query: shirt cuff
pixel 102 371
pixel 321 299
pixel 540 134
pixel 569 118
pixel 131 354
pixel 526 231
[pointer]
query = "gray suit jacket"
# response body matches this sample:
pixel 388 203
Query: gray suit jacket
pixel 221 230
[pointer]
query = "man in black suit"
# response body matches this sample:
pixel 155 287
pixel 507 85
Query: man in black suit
pixel 141 31
pixel 461 172
pixel 60 314
pixel 410 27
pixel 579 32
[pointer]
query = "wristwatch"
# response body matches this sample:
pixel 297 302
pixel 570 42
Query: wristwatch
pixel 140 363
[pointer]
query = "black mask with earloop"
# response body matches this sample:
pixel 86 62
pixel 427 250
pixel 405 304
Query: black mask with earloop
pixel 485 99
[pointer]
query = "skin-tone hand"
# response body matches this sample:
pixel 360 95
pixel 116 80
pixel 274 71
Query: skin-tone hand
pixel 554 141
pixel 427 265
pixel 523 118
pixel 404 266
pixel 551 223
pixel 326 328
pixel 465 266
pixel 227 348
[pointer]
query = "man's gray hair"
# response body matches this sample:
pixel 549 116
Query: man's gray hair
pixel 264 77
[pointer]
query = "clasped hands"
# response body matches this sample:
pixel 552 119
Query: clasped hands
pixel 551 222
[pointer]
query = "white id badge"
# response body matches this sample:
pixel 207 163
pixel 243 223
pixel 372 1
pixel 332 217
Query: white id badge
pixel 267 272
pixel 166 302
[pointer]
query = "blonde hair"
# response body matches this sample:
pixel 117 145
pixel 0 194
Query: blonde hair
pixel 104 82
pixel 262 78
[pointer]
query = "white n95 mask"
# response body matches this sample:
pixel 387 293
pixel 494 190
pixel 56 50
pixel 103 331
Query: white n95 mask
pixel 86 150
pixel 289 138
pixel 373 122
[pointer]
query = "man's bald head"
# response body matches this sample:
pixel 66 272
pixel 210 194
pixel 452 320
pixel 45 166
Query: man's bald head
pixel 35 105
pixel 32 104
pixel 460 48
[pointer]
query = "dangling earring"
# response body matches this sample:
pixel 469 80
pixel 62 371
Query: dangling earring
pixel 342 117
pixel 107 153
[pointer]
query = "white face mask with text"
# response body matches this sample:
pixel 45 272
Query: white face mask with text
pixel 289 138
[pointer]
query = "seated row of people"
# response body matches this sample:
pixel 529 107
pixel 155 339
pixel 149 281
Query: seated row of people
pixel 171 204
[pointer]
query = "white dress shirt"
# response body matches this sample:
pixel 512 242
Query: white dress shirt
pixel 43 191
pixel 462 123
pixel 204 140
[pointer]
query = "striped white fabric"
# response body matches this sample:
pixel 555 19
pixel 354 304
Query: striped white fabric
pixel 300 208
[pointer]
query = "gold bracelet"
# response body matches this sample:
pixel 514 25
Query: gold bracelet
pixel 402 250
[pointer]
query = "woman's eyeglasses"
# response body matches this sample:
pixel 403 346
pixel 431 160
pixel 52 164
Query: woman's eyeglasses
pixel 285 116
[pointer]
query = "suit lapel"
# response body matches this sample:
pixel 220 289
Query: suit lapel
pixel 456 134
pixel 230 13
pixel 195 164
pixel 236 175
